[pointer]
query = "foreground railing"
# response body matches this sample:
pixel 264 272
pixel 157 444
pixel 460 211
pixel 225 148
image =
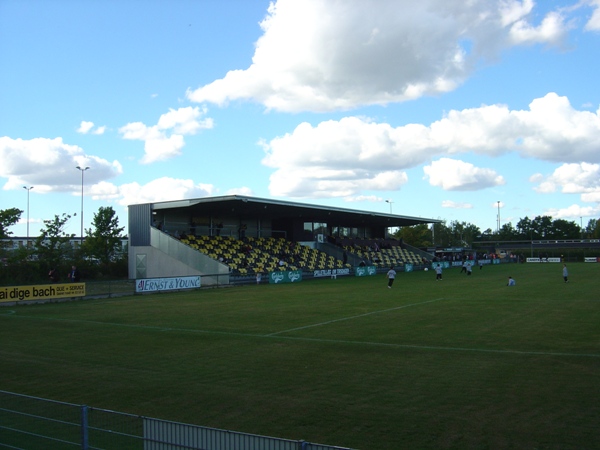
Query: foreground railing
pixel 34 423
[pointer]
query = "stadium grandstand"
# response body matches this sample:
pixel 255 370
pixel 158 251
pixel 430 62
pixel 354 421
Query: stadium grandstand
pixel 235 237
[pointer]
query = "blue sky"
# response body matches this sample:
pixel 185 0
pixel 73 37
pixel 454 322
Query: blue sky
pixel 442 110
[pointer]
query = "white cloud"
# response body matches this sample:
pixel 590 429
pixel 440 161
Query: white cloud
pixel 319 182
pixel 49 165
pixel 574 178
pixel 456 205
pixel 322 55
pixel 591 197
pixel 594 23
pixel 241 191
pixel 86 127
pixel 536 178
pixel 551 130
pixel 345 157
pixel 512 11
pixel 364 198
pixel 166 139
pixel 551 30
pixel 573 212
pixel 454 175
pixel 162 189
pixel 104 191
pixel 184 121
pixel 514 15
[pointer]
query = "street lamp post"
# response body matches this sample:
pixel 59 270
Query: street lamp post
pixel 82 169
pixel 498 217
pixel 28 189
pixel 389 230
pixel 390 202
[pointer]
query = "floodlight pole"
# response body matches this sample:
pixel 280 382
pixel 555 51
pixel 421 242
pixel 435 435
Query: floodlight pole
pixel 498 217
pixel 28 189
pixel 82 169
pixel 390 202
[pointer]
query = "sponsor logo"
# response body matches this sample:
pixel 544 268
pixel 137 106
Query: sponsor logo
pixel 277 277
pixel 285 277
pixel 543 260
pixel 166 284
pixel 331 272
pixel 364 271
pixel 294 276
pixel 40 292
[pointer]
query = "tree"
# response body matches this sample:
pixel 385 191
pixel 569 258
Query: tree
pixel 53 245
pixel 563 229
pixel 417 235
pixel 442 234
pixel 541 227
pixel 592 231
pixel 8 217
pixel 103 242
pixel 524 229
pixel 487 235
pixel 507 232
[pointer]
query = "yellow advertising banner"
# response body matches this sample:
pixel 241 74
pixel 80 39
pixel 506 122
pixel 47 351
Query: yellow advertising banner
pixel 41 292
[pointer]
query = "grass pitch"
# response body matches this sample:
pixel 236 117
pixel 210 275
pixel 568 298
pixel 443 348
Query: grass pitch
pixel 463 363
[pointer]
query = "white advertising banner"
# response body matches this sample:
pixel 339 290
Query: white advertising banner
pixel 166 284
pixel 331 272
pixel 544 260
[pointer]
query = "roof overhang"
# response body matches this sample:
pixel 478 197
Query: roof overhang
pixel 249 207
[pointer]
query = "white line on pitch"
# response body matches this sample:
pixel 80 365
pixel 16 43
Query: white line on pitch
pixel 307 339
pixel 352 317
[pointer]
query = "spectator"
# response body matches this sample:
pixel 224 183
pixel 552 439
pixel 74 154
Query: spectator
pixel 74 276
pixel 53 275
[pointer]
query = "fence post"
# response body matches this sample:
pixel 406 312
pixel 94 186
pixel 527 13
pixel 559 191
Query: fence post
pixel 84 428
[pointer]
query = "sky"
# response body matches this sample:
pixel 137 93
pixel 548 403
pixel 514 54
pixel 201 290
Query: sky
pixel 477 111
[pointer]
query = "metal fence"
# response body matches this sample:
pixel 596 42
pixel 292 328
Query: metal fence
pixel 34 423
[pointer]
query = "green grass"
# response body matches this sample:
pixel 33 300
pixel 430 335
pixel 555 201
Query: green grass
pixel 466 363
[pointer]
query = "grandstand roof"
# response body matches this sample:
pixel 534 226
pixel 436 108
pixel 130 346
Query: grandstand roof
pixel 275 209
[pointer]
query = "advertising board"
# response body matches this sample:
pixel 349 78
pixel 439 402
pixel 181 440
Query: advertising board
pixel 291 276
pixel 41 292
pixel 365 271
pixel 166 284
